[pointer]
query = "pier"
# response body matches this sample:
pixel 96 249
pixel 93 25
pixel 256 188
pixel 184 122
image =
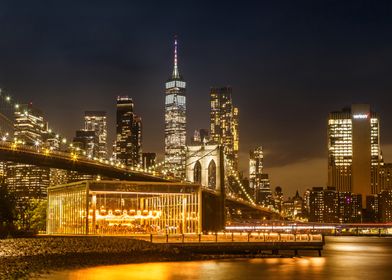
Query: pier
pixel 240 243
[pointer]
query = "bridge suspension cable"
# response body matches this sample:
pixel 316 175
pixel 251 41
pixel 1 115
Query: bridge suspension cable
pixel 175 155
pixel 234 173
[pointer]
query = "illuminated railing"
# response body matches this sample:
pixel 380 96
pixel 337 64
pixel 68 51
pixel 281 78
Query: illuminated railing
pixel 231 237
pixel 282 227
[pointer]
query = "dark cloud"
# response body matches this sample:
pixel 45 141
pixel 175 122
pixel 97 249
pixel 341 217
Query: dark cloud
pixel 289 62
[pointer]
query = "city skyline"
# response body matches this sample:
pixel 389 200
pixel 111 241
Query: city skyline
pixel 195 139
pixel 271 82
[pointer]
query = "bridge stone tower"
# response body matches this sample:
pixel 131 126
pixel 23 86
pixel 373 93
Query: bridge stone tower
pixel 205 166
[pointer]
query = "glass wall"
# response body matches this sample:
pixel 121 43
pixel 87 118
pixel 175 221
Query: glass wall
pixel 67 210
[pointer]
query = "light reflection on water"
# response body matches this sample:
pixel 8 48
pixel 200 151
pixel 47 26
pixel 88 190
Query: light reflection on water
pixel 343 258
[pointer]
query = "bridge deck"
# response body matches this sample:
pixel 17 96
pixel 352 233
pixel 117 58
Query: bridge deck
pixel 62 160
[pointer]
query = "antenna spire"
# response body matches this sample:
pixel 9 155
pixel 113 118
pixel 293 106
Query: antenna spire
pixel 176 73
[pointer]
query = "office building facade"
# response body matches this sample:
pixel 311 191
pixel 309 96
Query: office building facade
pixel 224 123
pixel 384 206
pixel 128 147
pixel 87 140
pixel 201 136
pixel 354 150
pixel 96 121
pixel 259 182
pixel 24 180
pixel 385 176
pixel 331 206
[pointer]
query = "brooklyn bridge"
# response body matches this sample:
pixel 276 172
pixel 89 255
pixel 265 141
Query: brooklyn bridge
pixel 221 198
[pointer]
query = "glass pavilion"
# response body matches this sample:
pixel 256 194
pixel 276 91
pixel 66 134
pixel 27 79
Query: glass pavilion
pixel 124 208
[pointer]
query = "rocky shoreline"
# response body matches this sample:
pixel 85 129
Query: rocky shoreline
pixel 31 257
pixel 26 257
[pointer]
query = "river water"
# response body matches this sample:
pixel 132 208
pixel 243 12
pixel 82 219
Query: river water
pixel 343 258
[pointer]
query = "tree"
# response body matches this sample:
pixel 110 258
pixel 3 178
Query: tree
pixel 38 215
pixel 32 215
pixel 7 210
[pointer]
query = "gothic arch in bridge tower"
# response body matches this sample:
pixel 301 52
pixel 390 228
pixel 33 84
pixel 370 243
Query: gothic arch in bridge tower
pixel 197 173
pixel 203 159
pixel 212 175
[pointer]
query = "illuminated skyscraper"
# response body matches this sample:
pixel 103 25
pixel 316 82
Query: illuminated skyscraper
pixel 29 125
pixel 385 177
pixel 87 141
pixel 129 133
pixel 96 121
pixel 24 180
pixel 256 158
pixel 354 150
pixel 175 121
pixel 224 122
pixel 200 136
pixel 259 182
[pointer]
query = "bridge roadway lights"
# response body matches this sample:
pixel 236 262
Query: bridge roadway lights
pixel 64 161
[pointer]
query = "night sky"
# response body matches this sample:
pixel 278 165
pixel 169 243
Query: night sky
pixel 289 62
